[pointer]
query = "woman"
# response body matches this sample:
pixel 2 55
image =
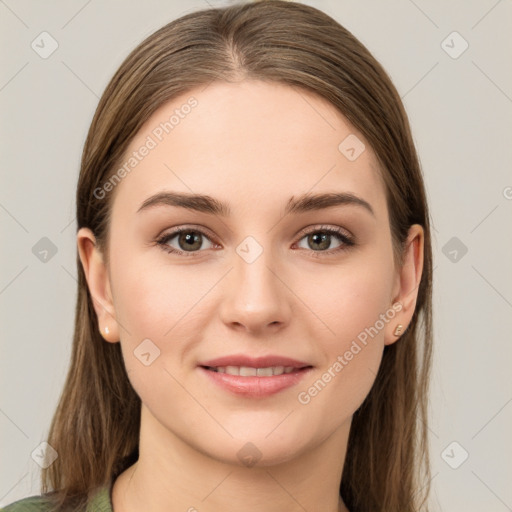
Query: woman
pixel 253 325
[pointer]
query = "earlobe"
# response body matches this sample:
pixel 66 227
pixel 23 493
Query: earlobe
pixel 408 280
pixel 98 282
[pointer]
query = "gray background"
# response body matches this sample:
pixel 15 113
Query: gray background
pixel 460 110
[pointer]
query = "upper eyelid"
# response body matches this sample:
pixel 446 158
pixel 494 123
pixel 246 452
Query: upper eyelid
pixel 321 227
pixel 303 232
pixel 178 229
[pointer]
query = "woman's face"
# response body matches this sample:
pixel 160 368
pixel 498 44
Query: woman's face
pixel 256 277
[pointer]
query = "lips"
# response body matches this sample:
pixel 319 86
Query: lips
pixel 247 371
pixel 254 377
pixel 241 360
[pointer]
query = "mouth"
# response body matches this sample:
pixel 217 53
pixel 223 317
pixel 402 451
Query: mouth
pixel 254 378
pixel 248 371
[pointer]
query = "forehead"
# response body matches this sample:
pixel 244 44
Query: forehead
pixel 248 143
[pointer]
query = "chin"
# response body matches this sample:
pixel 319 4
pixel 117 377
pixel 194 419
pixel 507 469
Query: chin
pixel 257 451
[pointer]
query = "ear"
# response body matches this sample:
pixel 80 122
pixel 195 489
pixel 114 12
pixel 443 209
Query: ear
pixel 405 292
pixel 99 284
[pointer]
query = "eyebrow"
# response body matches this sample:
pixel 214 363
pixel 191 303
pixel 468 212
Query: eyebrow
pixel 212 206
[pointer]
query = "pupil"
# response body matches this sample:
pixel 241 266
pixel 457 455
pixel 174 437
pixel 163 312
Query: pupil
pixel 323 237
pixel 190 239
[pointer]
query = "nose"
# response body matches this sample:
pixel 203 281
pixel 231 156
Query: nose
pixel 255 296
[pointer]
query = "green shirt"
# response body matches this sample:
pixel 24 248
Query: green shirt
pixel 101 501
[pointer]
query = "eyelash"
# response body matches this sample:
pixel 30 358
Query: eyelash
pixel 347 242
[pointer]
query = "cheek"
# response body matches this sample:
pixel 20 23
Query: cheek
pixel 356 311
pixel 336 392
pixel 155 302
pixel 352 298
pixel 152 297
pixel 164 304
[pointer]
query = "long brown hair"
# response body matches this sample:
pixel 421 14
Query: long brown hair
pixel 95 429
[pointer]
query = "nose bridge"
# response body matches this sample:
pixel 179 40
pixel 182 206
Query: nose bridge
pixel 253 264
pixel 256 296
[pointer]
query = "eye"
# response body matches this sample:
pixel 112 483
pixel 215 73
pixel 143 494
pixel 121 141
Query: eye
pixel 320 238
pixel 188 239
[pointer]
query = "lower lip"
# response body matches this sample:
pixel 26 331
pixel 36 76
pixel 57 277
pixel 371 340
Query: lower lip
pixel 255 387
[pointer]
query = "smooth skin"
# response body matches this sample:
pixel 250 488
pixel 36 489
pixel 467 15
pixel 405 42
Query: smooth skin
pixel 252 145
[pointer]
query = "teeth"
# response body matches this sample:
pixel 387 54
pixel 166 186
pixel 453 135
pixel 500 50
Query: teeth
pixel 265 372
pixel 247 371
pixel 232 370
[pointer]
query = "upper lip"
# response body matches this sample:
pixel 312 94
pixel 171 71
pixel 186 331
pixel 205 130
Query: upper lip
pixel 254 362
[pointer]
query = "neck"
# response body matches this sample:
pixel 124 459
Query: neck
pixel 180 478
